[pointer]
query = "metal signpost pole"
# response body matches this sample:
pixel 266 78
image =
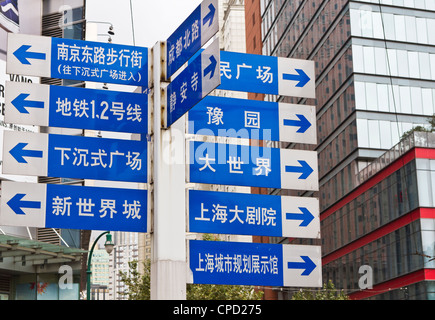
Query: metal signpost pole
pixel 168 265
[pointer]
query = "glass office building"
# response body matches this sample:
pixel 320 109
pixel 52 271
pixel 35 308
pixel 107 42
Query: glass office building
pixel 375 72
pixel 386 224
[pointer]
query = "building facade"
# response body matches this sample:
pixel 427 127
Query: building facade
pixel 126 250
pixel 374 67
pixel 384 229
pixel 33 260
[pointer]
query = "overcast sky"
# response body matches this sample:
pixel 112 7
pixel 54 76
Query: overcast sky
pixel 154 20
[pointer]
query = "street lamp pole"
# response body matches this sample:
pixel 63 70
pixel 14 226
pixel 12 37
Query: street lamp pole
pixel 109 247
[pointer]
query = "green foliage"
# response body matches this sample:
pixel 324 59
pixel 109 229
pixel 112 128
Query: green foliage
pixel 328 292
pixel 138 284
pixel 431 121
pixel 138 287
pixel 222 292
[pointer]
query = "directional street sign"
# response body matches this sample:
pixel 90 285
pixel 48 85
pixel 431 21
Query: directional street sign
pixel 77 157
pixel 263 264
pixel 242 165
pixel 253 214
pixel 267 74
pixel 73 207
pixel 191 35
pixel 195 82
pixel 252 119
pixel 77 60
pixel 79 108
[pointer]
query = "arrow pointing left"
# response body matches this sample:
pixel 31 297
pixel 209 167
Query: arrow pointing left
pixel 23 54
pixel 20 103
pixel 17 204
pixel 19 153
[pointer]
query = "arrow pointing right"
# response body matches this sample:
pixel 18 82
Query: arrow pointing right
pixel 16 204
pixel 19 153
pixel 211 67
pixel 23 53
pixel 304 169
pixel 302 123
pixel 306 216
pixel 308 265
pixel 21 103
pixel 301 77
pixel 209 17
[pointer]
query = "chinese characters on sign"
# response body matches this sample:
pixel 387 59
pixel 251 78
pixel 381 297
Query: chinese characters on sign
pixel 252 119
pixel 80 108
pixel 243 165
pixel 74 207
pixel 258 73
pixel 99 62
pixel 183 42
pixel 70 156
pixel 249 215
pixel 253 214
pixel 75 157
pixel 77 60
pixel 267 74
pixel 195 82
pixel 191 35
pixel 122 209
pixel 231 263
pixel 93 158
pixel 240 263
pixel 102 110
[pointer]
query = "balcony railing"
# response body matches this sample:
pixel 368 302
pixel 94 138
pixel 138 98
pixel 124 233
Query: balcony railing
pixel 415 139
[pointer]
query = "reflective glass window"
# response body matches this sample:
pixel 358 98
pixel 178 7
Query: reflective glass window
pixel 399 26
pixel 383 102
pixel 414 68
pixel 421 30
pixel 411 29
pixel 381 61
pixel 424 63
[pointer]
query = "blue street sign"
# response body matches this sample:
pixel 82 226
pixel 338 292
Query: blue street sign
pixel 267 74
pixel 244 165
pixel 252 119
pixel 191 35
pixel 195 82
pixel 253 214
pixel 79 108
pixel 77 60
pixel 76 157
pixel 263 264
pixel 74 207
